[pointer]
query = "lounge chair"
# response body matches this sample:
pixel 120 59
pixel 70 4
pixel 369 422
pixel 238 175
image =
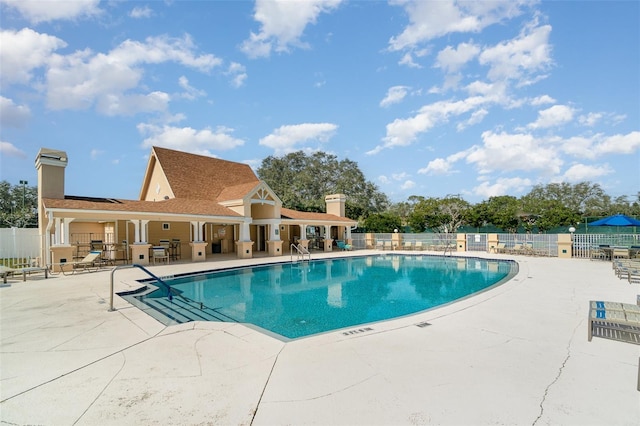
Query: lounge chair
pixel 343 246
pixel 408 245
pixel 380 245
pixel 90 263
pixel 6 272
pixel 616 321
pixel 418 246
pixel 619 253
pixel 387 245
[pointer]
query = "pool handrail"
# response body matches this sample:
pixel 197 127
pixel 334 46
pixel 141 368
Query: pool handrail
pixel 135 265
pixel 301 251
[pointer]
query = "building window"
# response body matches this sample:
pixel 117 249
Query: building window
pixel 166 226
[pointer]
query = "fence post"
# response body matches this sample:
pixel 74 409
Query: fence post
pixel 564 246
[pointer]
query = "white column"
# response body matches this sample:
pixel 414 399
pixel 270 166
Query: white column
pixel 143 230
pixel 327 232
pixel 57 236
pixel 67 234
pixel 273 236
pixel 303 231
pixel 245 234
pixel 136 231
pixel 197 231
pixel 348 233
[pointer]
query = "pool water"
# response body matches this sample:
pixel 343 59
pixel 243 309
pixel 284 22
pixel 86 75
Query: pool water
pixel 304 298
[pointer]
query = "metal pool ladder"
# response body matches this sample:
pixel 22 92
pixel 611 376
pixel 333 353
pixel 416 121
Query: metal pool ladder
pixel 300 251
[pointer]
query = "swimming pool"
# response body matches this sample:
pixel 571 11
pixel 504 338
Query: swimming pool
pixel 304 298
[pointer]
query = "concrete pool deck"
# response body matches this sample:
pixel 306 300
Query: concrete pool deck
pixel 517 354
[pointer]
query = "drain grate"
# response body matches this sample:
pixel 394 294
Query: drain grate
pixel 423 324
pixel 357 331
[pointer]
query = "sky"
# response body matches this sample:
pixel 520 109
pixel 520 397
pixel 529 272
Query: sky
pixel 429 98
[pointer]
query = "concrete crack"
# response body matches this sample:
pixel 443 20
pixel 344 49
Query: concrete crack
pixel 564 363
pixel 264 389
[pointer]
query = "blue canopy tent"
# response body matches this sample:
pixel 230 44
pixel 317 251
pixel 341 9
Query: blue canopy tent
pixel 616 220
pixel 620 221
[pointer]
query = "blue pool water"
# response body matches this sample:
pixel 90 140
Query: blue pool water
pixel 304 298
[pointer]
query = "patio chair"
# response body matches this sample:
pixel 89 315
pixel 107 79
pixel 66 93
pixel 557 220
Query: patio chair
pixel 343 246
pixel 620 253
pixel 90 263
pixel 159 254
pixel 407 245
pixel 387 245
pixel 380 245
pixel 418 246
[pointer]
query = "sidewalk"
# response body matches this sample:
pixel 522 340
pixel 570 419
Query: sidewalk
pixel 517 354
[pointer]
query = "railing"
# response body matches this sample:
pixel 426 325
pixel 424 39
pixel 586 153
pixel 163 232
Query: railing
pixel 300 252
pixel 584 243
pixel 135 265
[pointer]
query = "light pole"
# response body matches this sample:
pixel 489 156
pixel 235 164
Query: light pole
pixel 23 183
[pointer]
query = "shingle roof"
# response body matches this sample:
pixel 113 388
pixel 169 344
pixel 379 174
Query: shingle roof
pixel 294 214
pixel 197 177
pixel 171 206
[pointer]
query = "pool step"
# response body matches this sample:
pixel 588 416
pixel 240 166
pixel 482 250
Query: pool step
pixel 180 311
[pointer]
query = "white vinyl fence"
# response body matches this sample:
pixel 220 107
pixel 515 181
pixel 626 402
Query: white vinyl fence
pixel 19 246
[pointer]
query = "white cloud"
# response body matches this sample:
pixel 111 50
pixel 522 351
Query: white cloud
pixel 285 138
pixel 12 115
pixel 190 92
pixel 520 58
pixel 399 176
pixel 432 19
pixel 476 117
pixel 95 153
pixel 502 186
pixel 408 184
pixel 189 139
pixel 597 145
pixel 439 166
pixel 282 24
pixel 582 172
pixel 555 116
pixel 36 11
pixel 82 79
pixel 9 150
pixel 452 59
pixel 443 166
pixel 618 144
pixel 383 179
pixel 139 12
pixel 403 132
pixel 24 51
pixel 542 100
pixel 503 152
pixel 407 59
pixel 590 119
pixel 395 95
pixel 238 74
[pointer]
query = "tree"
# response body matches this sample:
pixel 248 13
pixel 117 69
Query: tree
pixel 502 211
pixel 584 198
pixel 555 214
pixel 439 214
pixel 382 222
pixel 302 181
pixel 18 205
